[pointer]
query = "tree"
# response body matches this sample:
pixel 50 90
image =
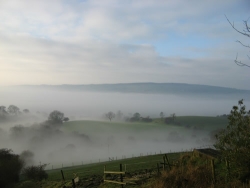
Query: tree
pixel 162 115
pixel 137 116
pixel 3 112
pixel 66 119
pixel 10 167
pixel 234 142
pixel 245 32
pixel 12 109
pixel 110 115
pixel 26 111
pixel 56 117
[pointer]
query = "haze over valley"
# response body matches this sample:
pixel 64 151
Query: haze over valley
pixel 96 138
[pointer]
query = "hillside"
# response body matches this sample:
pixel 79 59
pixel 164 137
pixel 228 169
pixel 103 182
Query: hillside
pixel 153 88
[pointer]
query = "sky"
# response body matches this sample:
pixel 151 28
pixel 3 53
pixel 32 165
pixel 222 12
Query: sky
pixel 117 41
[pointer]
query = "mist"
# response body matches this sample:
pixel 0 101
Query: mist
pixel 64 146
pixel 92 105
pixel 59 147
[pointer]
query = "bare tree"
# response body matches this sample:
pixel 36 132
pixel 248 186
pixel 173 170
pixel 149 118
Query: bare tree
pixel 110 115
pixel 245 32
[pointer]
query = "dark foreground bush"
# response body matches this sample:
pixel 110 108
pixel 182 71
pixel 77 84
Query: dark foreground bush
pixel 10 167
pixel 36 173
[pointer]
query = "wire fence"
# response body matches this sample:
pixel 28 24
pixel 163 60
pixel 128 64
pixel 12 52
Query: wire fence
pixel 53 166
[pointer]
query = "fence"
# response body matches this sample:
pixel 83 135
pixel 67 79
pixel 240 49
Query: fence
pixel 80 163
pixel 121 173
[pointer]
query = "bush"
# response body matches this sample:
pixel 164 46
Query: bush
pixel 36 173
pixel 10 167
pixel 234 142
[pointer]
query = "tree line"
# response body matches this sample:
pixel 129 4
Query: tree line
pixel 12 110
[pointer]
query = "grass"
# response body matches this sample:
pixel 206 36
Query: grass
pixel 201 122
pixel 132 165
pixel 87 172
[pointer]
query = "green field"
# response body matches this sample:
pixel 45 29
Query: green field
pixel 135 164
pixel 201 122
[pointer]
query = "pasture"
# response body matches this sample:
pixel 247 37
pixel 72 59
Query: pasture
pixel 119 139
pixel 132 166
pixel 201 122
pixel 146 137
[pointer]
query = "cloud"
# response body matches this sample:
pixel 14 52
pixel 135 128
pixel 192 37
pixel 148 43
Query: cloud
pixel 80 42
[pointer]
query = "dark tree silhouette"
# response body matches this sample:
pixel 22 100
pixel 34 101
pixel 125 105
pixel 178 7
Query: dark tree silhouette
pixel 10 167
pixel 56 117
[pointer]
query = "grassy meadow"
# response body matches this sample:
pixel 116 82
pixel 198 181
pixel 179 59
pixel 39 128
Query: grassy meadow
pixel 201 122
pixel 136 164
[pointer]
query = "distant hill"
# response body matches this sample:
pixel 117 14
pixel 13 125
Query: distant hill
pixel 150 88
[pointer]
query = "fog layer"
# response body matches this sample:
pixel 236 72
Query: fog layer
pixel 85 143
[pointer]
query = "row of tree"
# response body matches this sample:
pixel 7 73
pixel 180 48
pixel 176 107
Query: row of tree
pixel 55 117
pixel 137 117
pixel 11 110
pixel 119 116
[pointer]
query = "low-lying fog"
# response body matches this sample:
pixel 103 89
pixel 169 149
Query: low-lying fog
pixel 93 105
pixel 61 145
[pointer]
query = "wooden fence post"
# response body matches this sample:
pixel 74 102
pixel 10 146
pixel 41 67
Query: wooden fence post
pixel 62 175
pixel 164 163
pixel 213 171
pixel 158 169
pixel 104 176
pixel 73 183
pixel 121 175
pixel 166 157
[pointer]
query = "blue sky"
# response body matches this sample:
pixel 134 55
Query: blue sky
pixel 110 41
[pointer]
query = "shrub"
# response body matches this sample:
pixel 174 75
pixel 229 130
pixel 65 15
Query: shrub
pixel 36 173
pixel 234 142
